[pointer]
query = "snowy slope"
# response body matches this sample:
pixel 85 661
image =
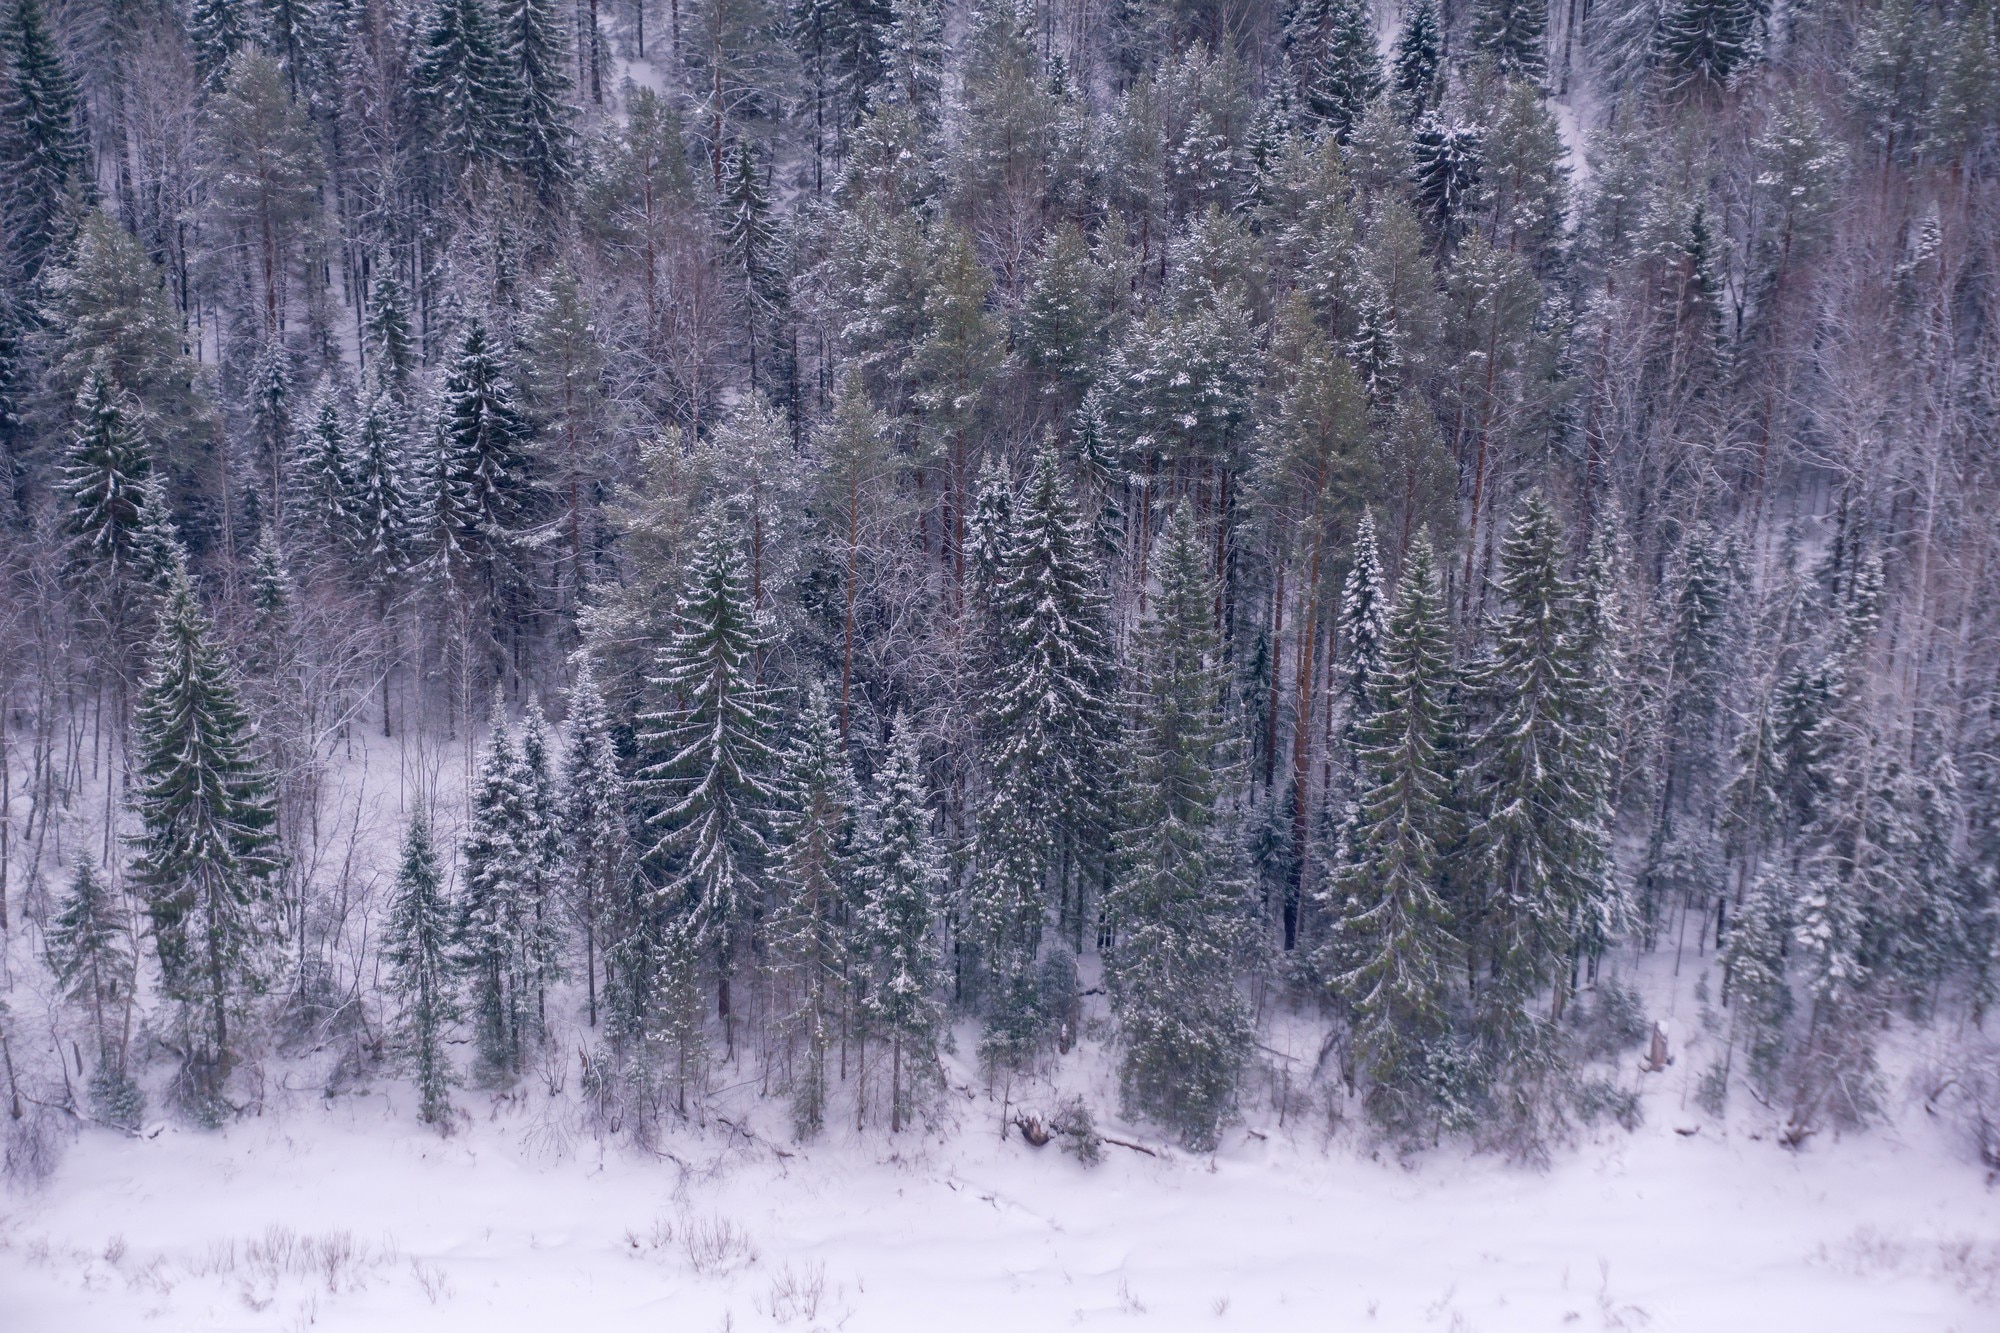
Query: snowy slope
pixel 346 1215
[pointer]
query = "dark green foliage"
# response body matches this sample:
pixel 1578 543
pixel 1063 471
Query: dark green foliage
pixel 417 941
pixel 1179 905
pixel 44 154
pixel 206 847
pixel 1331 45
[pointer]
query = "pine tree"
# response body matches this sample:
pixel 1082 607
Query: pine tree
pixel 1048 735
pixel 1179 905
pixel 594 821
pixel 901 874
pixel 104 496
pixel 1393 949
pixel 1537 847
pixel 492 931
pixel 44 153
pixel 814 918
pixel 417 945
pixel 206 842
pixel 1331 46
pixel 709 783
pixel 91 957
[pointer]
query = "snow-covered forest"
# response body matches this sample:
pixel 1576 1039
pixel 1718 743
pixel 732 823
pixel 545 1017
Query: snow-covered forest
pixel 1162 576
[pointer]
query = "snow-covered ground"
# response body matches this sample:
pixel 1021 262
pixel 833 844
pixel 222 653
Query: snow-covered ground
pixel 347 1215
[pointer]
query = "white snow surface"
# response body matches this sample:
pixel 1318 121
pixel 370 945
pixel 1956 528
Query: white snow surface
pixel 346 1214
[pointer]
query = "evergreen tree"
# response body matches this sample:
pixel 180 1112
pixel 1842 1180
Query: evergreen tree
pixel 321 489
pixel 1537 846
pixel 486 488
pixel 814 922
pixel 1755 985
pixel 468 91
pixel 390 341
pixel 709 783
pixel 542 868
pixel 1177 909
pixel 494 925
pixel 217 31
pixel 901 874
pixel 1363 623
pixel 379 504
pixel 90 954
pixel 1331 46
pixel 417 945
pixel 1446 163
pixel 104 498
pixel 594 821
pixel 44 153
pixel 1393 950
pixel 1048 732
pixel 1513 34
pixel 206 842
pixel 1417 65
pixel 533 42
pixel 1704 43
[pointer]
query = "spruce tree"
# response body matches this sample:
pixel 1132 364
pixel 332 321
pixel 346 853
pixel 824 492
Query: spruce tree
pixel 1331 46
pixel 44 153
pixel 1513 34
pixel 533 41
pixel 90 954
pixel 1537 849
pixel 1445 156
pixel 317 477
pixel 709 782
pixel 206 843
pixel 417 945
pixel 379 505
pixel 1048 734
pixel 105 500
pixel 1702 44
pixel 1393 952
pixel 487 490
pixel 467 91
pixel 902 874
pixel 814 921
pixel 1418 62
pixel 390 342
pixel 495 915
pixel 1178 908
pixel 543 870
pixel 594 822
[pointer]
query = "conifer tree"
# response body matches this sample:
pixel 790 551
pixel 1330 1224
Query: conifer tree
pixel 91 956
pixel 1047 732
pixel 815 918
pixel 206 841
pixel 105 498
pixel 321 491
pixel 709 783
pixel 390 341
pixel 1537 846
pixel 1178 906
pixel 494 914
pixel 468 92
pixel 1418 62
pixel 1363 623
pixel 901 875
pixel 533 41
pixel 1702 44
pixel 1446 161
pixel 44 153
pixel 1393 950
pixel 1331 45
pixel 379 505
pixel 594 821
pixel 1513 34
pixel 417 945
pixel 217 31
pixel 486 487
pixel 542 872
